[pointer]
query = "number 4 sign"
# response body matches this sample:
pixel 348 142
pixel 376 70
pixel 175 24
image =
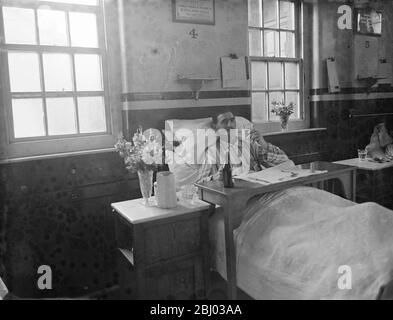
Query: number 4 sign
pixel 193 34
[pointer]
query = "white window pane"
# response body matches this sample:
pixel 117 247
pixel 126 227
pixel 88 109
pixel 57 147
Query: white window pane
pixel 88 72
pixel 275 76
pixel 270 13
pixel 61 116
pixel 291 76
pixel 57 72
pixel 83 27
pixel 287 44
pixel 259 107
pixel 258 75
pixel 255 43
pixel 19 25
pixel 52 27
pixel 278 97
pixel 83 2
pixel 272 44
pixel 287 15
pixel 28 118
pixel 91 112
pixel 24 72
pixel 294 98
pixel 254 13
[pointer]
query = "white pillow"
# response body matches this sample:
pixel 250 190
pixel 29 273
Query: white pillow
pixel 181 129
pixel 243 123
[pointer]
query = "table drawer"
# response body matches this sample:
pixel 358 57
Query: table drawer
pixel 166 241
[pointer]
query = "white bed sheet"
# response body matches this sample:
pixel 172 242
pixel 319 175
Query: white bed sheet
pixel 257 284
pixel 286 251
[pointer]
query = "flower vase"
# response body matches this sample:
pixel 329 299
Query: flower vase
pixel 146 185
pixel 284 123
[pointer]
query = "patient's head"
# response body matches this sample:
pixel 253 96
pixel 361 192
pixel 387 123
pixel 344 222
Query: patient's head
pixel 225 121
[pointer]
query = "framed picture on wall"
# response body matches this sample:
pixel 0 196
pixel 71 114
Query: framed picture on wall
pixel 194 11
pixel 368 22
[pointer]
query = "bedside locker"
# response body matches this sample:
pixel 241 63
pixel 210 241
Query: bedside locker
pixel 167 248
pixel 374 181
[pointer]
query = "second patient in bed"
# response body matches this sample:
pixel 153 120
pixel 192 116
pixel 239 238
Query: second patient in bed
pixel 381 142
pixel 262 154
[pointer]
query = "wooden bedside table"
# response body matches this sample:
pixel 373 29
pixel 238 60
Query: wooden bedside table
pixel 374 181
pixel 168 248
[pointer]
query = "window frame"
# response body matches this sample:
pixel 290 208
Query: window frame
pixel 303 121
pixel 71 142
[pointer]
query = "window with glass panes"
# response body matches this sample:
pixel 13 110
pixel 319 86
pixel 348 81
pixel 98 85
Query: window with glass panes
pixel 275 55
pixel 53 56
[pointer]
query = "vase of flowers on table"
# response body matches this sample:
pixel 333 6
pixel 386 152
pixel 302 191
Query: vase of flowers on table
pixel 283 112
pixel 142 155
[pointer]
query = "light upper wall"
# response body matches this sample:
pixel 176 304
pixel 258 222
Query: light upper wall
pixel 158 49
pixel 345 44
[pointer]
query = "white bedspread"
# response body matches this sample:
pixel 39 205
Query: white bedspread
pixel 292 243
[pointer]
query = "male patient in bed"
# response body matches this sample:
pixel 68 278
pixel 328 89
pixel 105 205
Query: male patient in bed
pixel 262 154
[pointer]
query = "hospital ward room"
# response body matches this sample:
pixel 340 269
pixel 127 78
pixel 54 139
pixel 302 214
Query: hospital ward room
pixel 210 150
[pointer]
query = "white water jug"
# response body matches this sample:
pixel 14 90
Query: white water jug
pixel 166 190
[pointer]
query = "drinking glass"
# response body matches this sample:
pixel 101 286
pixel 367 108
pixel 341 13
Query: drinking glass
pixel 362 154
pixel 189 193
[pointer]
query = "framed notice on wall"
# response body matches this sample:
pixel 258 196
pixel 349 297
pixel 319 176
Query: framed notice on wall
pixel 193 11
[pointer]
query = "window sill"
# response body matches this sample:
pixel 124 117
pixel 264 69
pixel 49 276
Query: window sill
pixel 293 131
pixel 56 155
pixel 56 147
pixel 275 127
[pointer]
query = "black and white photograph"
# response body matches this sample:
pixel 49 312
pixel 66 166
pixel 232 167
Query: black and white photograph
pixel 216 151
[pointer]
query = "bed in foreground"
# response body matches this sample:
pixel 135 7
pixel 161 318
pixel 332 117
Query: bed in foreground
pixel 294 243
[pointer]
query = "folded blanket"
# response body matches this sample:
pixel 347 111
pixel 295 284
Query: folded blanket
pixel 295 242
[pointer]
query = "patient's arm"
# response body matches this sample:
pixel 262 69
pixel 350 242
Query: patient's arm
pixel 269 156
pixel 256 136
pixel 264 154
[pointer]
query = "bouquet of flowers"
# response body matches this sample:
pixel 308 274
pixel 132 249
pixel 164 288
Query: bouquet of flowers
pixel 283 111
pixel 142 154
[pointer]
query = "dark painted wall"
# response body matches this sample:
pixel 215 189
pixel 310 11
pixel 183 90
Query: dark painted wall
pixel 344 134
pixel 57 212
pixel 302 146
